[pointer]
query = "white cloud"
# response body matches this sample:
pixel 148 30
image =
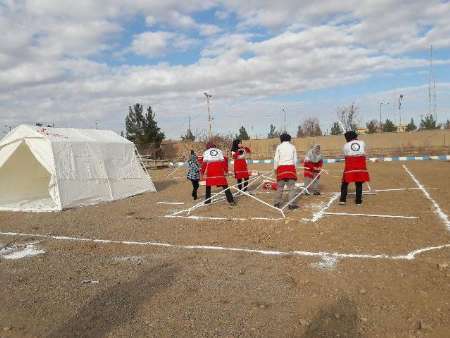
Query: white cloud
pixel 151 44
pixel 154 44
pixel 150 20
pixel 46 59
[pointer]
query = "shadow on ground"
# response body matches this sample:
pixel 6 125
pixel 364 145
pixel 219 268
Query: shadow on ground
pixel 335 320
pixel 164 185
pixel 117 305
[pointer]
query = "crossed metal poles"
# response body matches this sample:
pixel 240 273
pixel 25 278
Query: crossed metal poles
pixel 238 191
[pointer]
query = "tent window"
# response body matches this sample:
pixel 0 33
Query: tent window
pixel 23 180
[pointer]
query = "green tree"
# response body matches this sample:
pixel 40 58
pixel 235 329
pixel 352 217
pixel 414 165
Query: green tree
pixel 428 122
pixel 243 135
pixel 273 132
pixel 143 128
pixel 411 126
pixel 447 125
pixel 336 129
pixel 300 132
pixel 389 126
pixel 189 136
pixel 372 127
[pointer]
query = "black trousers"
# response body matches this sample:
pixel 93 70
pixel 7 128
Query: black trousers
pixel 195 186
pixel 228 194
pixel 344 189
pixel 239 180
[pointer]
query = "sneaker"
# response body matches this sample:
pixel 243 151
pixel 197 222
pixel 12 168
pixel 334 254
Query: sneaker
pixel 341 202
pixel 359 204
pixel 316 193
pixel 277 205
pixel 292 207
pixel 232 204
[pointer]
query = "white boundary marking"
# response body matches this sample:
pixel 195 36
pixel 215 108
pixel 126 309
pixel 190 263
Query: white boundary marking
pixel 170 203
pixel 319 214
pixel 322 254
pixel 437 209
pixel 213 218
pixel 368 215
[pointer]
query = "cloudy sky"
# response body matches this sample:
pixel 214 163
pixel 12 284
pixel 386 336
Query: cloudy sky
pixel 81 63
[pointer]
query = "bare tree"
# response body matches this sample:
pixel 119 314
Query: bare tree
pixel 309 127
pixel 347 116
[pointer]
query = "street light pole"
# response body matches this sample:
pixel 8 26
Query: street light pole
pixel 381 103
pixel 208 96
pixel 283 109
pixel 400 98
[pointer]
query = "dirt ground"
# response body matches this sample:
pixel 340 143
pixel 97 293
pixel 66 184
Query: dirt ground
pixel 315 274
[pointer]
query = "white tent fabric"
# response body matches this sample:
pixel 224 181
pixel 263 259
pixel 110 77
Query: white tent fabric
pixel 50 169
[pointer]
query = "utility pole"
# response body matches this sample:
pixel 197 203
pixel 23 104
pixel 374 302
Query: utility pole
pixel 432 106
pixel 283 109
pixel 208 97
pixel 381 123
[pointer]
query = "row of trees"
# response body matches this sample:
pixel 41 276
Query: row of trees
pixel 428 122
pixel 142 127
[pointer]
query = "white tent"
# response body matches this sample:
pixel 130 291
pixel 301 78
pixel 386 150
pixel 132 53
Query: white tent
pixel 49 169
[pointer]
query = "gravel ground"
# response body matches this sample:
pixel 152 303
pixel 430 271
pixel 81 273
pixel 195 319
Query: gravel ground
pixel 95 289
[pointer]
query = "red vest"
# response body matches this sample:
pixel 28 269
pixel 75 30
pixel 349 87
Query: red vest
pixel 240 167
pixel 214 173
pixel 311 168
pixel 355 169
pixel 286 172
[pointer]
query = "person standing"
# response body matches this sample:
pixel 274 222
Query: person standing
pixel 355 169
pixel 285 162
pixel 312 165
pixel 239 152
pixel 193 173
pixel 214 169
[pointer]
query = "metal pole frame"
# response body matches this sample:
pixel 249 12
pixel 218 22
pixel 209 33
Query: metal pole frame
pixel 303 189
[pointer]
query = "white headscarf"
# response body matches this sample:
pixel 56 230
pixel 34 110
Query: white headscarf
pixel 314 154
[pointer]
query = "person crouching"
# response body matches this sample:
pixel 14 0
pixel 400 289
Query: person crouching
pixel 312 165
pixel 285 162
pixel 241 173
pixel 214 170
pixel 355 166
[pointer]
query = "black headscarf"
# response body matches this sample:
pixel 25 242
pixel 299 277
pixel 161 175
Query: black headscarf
pixel 350 136
pixel 285 137
pixel 235 145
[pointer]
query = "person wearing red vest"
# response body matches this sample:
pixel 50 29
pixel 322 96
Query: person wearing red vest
pixel 241 173
pixel 214 169
pixel 312 165
pixel 355 169
pixel 285 162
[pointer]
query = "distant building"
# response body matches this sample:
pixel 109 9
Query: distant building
pixel 401 128
pixel 361 130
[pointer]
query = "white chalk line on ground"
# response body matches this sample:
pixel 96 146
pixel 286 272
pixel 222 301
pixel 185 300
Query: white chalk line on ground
pixel 322 254
pixel 368 215
pixel 170 203
pixel 20 251
pixel 319 214
pixel 213 218
pixel 437 209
